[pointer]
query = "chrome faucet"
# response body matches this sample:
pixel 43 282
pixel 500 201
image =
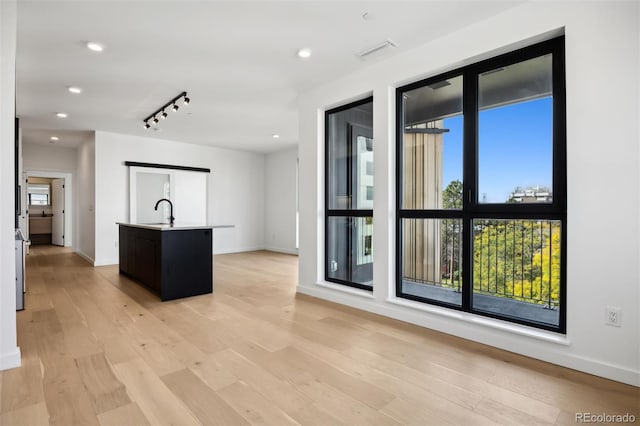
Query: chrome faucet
pixel 171 218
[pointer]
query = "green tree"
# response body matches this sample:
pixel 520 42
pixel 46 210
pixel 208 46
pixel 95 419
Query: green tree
pixel 452 195
pixel 518 259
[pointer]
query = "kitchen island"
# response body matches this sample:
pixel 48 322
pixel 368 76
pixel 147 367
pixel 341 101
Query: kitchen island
pixel 174 261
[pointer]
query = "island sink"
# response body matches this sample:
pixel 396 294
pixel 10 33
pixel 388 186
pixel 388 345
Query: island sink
pixel 174 261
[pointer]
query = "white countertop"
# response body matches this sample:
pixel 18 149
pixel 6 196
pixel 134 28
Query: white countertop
pixel 178 226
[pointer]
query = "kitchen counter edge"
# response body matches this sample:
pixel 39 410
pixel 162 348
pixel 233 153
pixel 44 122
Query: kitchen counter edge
pixel 174 227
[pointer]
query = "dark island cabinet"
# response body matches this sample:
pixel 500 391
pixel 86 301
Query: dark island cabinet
pixel 174 263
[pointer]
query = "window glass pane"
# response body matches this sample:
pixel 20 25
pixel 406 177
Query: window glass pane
pixel 349 248
pixel 432 146
pixel 432 259
pixel 38 194
pixel 38 199
pixel 516 268
pixel 515 140
pixel 350 155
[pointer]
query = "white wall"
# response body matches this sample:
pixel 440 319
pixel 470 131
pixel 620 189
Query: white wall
pixel 603 64
pixel 85 228
pixel 236 189
pixel 281 200
pixel 49 158
pixel 9 351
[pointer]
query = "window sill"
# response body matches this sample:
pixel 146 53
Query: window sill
pixel 467 317
pixel 346 289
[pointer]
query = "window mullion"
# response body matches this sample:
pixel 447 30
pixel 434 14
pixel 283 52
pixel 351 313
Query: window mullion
pixel 470 173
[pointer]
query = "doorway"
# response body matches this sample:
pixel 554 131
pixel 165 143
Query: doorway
pixel 47 219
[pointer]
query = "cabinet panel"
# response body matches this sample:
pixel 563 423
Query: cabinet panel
pixel 146 263
pixel 123 243
pixel 187 263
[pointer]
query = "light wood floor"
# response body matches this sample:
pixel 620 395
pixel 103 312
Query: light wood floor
pixel 98 348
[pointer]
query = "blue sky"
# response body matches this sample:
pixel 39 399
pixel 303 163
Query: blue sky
pixel 514 148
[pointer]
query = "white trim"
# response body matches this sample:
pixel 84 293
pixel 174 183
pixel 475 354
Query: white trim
pixel 116 261
pixel 10 359
pixel 85 257
pixel 336 287
pixel 106 262
pixel 282 250
pixel 469 317
pixel 238 250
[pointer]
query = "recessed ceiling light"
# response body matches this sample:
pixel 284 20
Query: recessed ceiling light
pixel 61 114
pixel 75 90
pixel 96 47
pixel 54 138
pixel 304 53
pixel 275 136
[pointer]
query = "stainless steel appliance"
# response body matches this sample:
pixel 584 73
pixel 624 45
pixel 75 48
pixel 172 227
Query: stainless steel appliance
pixel 20 278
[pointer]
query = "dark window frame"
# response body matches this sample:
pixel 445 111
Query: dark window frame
pixel 472 209
pixel 328 212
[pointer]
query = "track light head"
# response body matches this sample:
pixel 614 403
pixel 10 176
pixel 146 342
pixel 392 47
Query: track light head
pixel 161 113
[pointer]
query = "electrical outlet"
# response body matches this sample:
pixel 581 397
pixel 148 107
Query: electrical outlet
pixel 613 316
pixel 333 266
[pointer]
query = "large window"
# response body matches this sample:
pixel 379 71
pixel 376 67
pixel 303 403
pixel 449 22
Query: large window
pixel 349 194
pixel 481 188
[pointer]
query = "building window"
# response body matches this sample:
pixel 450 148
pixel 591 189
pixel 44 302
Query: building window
pixel 481 188
pixel 349 194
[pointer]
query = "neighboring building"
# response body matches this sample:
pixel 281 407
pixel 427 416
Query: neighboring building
pixel 539 194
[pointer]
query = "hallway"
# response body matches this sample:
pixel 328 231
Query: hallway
pixel 100 349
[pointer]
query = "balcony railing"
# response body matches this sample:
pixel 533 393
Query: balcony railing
pixel 516 264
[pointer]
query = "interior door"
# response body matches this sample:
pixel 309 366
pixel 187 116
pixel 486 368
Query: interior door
pixel 57 208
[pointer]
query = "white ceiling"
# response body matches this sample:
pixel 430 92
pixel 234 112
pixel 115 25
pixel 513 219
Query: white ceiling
pixel 236 59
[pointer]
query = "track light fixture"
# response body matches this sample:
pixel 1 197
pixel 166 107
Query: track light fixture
pixel 162 110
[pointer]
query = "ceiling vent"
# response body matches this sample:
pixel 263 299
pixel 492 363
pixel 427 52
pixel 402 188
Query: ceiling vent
pixel 378 47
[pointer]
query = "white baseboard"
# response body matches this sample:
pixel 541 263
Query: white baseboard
pixel 520 344
pixel 238 250
pixel 10 359
pixel 283 250
pixel 85 256
pixel 106 262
